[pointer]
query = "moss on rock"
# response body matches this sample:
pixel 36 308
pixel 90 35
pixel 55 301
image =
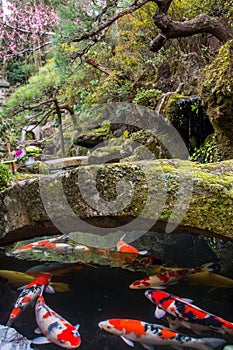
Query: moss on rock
pixel 216 89
pixel 150 190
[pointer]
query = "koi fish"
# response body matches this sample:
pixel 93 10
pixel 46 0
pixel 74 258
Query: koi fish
pixel 82 248
pixel 38 244
pixel 162 279
pixel 210 279
pixel 188 315
pixel 56 269
pixel 29 294
pixel 17 278
pixel 56 246
pixel 149 334
pixel 54 327
pixel 127 248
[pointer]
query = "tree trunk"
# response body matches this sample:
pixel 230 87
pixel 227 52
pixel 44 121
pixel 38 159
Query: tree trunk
pixel 59 115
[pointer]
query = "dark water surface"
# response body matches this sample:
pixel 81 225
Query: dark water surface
pixel 101 293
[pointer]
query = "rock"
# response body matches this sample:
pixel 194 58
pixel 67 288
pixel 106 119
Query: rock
pixel 93 137
pixel 186 65
pixel 112 195
pixel 112 151
pixel 108 154
pixel 30 169
pixel 216 86
pixel 10 339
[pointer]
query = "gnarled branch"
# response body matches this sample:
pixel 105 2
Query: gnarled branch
pixel 200 24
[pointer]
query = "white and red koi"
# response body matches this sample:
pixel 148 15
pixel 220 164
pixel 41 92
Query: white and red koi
pixel 44 243
pixel 54 327
pixel 149 334
pixel 161 280
pixel 29 295
pixel 188 315
pixel 55 246
pixel 127 248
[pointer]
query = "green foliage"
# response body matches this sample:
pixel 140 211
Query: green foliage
pixel 190 9
pixel 6 177
pixel 7 130
pixel 18 72
pixel 207 152
pixel 39 86
pixel 123 51
pixel 147 98
pixel 5 126
pixel 112 89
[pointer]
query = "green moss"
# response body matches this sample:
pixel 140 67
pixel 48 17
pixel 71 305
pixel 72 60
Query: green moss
pixel 216 88
pixel 6 176
pixel 172 108
pixel 209 210
pixel 152 143
pixel 103 129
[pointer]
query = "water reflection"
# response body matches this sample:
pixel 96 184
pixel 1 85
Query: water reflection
pixel 101 293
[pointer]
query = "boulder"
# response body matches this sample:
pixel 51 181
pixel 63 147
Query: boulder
pixel 163 195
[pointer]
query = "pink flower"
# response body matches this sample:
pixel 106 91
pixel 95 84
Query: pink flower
pixel 19 153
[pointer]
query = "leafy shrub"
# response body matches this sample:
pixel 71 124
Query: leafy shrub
pixel 5 177
pixel 207 153
pixel 147 97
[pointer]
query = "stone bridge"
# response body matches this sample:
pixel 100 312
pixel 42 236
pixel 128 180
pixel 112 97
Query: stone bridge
pixel 161 195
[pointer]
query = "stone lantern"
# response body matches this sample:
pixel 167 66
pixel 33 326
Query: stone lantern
pixel 4 86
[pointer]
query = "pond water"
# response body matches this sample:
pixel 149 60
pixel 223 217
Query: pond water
pixel 103 292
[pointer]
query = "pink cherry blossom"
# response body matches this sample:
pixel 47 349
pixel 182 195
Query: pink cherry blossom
pixel 25 26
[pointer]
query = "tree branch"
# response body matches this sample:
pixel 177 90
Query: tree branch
pixel 25 31
pixel 43 103
pixel 90 35
pixel 31 108
pixel 34 49
pixel 200 24
pixel 96 65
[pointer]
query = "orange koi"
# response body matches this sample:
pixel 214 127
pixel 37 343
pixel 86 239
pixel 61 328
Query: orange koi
pixel 127 248
pixel 55 246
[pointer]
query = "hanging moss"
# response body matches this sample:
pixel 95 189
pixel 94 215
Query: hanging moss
pixel 172 108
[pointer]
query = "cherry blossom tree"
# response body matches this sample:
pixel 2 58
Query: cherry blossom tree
pixel 25 27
